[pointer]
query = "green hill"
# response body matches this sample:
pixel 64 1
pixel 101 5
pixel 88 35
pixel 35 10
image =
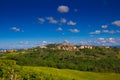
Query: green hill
pixel 99 63
pixel 98 59
pixel 10 71
pixel 67 74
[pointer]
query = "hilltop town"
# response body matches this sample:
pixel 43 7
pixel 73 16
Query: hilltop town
pixel 66 46
pixel 57 46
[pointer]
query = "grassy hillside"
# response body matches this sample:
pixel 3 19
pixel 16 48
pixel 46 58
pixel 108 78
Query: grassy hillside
pixel 84 64
pixel 99 59
pixel 10 71
pixel 67 65
pixel 66 74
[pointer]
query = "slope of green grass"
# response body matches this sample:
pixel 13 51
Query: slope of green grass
pixel 95 60
pixel 66 74
pixel 72 65
pixel 10 71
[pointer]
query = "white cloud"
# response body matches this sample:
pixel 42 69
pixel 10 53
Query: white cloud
pixel 63 9
pixel 63 20
pixel 107 41
pixel 44 42
pixel 101 39
pixel 105 31
pixel 52 20
pixel 112 32
pixel 104 26
pixel 117 23
pixel 96 32
pixel 66 41
pixel 15 29
pixel 74 30
pixel 49 18
pixel 71 23
pixel 59 29
pixel 111 40
pixel 41 20
pixel 85 42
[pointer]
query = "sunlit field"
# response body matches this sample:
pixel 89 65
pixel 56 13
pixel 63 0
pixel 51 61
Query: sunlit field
pixel 66 74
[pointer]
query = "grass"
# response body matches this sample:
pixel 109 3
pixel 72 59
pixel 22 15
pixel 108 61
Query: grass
pixel 67 74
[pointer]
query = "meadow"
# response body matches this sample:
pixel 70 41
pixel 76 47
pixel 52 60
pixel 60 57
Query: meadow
pixel 10 71
pixel 67 74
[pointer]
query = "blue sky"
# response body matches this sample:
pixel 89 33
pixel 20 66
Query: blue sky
pixel 28 23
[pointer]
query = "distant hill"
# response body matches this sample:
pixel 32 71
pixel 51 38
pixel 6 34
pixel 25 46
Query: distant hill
pixel 99 63
pixel 98 59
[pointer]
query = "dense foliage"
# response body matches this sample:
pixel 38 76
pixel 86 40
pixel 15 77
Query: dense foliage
pixel 98 59
pixel 10 71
